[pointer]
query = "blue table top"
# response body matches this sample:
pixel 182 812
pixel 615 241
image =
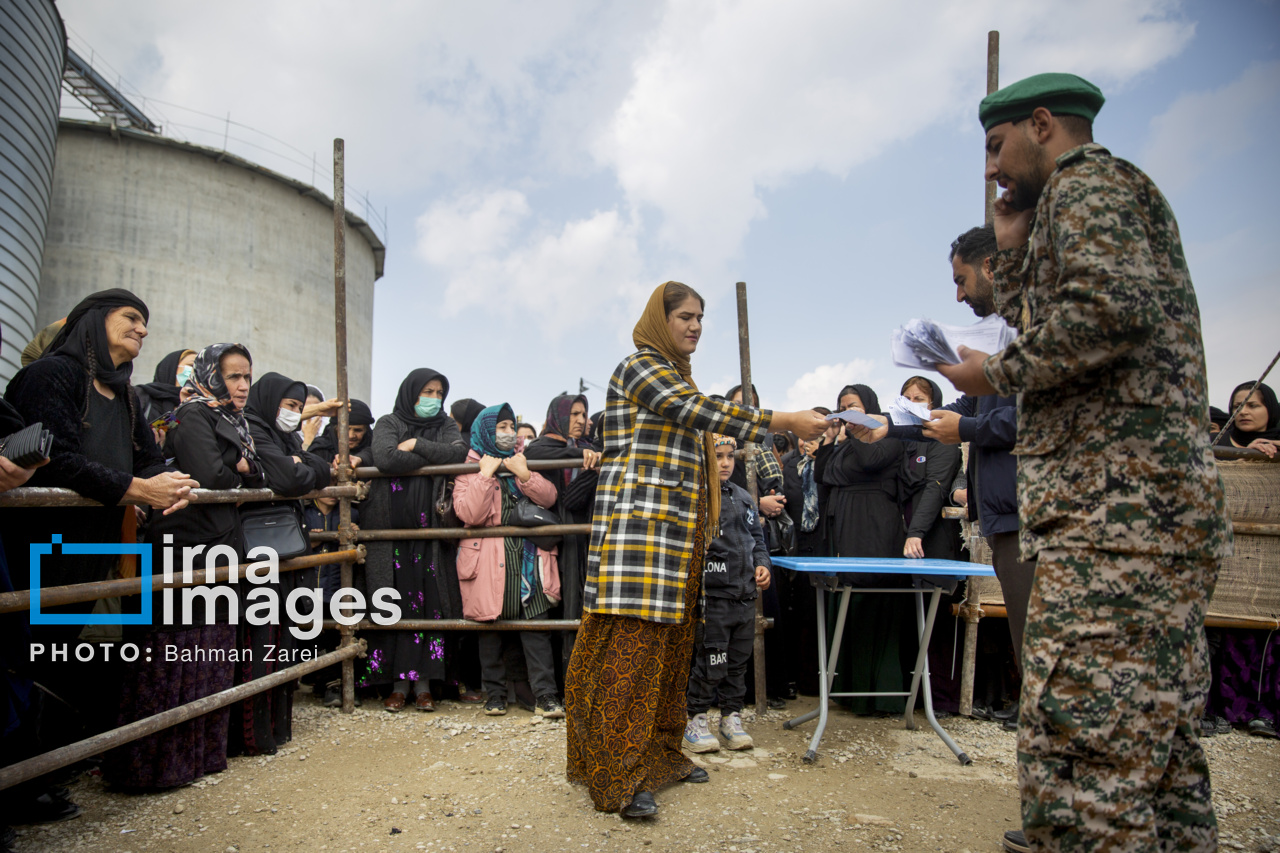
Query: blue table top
pixel 885 565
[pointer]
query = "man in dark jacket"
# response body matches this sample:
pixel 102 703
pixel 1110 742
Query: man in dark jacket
pixel 737 565
pixel 990 425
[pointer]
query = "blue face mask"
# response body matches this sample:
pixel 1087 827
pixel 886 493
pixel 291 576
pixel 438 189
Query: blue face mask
pixel 427 407
pixel 183 375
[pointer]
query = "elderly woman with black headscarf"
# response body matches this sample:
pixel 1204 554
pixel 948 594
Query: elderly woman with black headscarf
pixel 418 432
pixel 210 439
pixel 79 389
pixel 564 437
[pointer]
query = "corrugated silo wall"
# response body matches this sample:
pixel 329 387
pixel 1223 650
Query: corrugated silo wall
pixel 219 252
pixel 33 49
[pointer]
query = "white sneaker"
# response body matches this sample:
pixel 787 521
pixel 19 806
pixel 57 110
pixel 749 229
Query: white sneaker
pixel 698 736
pixel 731 730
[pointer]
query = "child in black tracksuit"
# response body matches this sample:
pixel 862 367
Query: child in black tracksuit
pixel 737 567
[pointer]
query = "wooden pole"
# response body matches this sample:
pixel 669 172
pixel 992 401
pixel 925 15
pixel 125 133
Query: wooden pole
pixel 744 357
pixel 972 611
pixel 345 539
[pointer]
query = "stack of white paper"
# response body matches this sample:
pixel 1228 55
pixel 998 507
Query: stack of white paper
pixel 903 412
pixel 924 344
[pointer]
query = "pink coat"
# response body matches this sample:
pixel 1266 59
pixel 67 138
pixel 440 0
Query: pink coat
pixel 481 562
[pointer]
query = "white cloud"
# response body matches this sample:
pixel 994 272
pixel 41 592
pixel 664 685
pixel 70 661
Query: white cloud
pixel 1202 129
pixel 819 386
pixel 730 99
pixel 493 256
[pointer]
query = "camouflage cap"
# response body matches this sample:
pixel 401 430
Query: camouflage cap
pixel 1060 94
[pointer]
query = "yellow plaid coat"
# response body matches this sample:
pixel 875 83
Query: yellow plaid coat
pixel 644 521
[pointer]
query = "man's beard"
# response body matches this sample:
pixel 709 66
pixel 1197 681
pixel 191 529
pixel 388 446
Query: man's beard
pixel 1028 185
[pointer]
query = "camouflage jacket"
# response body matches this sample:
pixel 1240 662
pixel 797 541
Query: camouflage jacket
pixel 1113 411
pixel 645 515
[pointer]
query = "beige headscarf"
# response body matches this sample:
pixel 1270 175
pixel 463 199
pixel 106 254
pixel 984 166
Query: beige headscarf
pixel 652 331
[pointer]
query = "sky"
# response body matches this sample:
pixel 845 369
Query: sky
pixel 543 166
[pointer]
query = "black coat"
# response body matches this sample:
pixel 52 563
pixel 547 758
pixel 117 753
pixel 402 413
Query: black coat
pixel 276 449
pixel 207 447
pixel 813 543
pixel 575 501
pixel 990 425
pixel 862 517
pixel 928 468
pixel 52 391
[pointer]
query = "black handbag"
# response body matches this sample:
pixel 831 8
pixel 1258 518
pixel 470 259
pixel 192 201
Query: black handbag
pixel 526 513
pixel 276 526
pixel 781 533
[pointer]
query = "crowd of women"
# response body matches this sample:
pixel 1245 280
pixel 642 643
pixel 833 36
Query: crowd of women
pixel 210 420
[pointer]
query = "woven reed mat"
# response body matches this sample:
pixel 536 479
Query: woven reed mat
pixel 1249 581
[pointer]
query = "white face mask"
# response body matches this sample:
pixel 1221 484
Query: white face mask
pixel 288 421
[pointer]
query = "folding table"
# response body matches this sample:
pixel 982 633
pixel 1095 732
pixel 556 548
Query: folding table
pixel 825 574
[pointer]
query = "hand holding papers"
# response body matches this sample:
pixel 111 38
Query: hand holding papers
pixel 903 412
pixel 856 418
pixel 924 344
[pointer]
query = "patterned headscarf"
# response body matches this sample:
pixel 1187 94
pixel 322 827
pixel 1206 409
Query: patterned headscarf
pixel 652 331
pixel 723 439
pixel 210 390
pixel 484 430
pixel 558 419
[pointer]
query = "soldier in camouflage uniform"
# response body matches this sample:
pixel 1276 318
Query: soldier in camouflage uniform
pixel 1119 499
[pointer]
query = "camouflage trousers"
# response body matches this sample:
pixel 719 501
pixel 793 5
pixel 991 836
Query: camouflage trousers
pixel 1115 678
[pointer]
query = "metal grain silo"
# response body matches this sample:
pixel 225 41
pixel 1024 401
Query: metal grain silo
pixel 220 248
pixel 33 47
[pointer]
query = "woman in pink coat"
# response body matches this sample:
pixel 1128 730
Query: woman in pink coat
pixel 508 578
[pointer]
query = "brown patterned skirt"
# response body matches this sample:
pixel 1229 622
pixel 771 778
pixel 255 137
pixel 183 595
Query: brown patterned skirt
pixel 625 697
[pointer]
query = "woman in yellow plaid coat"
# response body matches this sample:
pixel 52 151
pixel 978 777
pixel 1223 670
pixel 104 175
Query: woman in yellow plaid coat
pixel 625 689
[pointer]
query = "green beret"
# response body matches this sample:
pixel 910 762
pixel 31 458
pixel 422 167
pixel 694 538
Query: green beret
pixel 1060 94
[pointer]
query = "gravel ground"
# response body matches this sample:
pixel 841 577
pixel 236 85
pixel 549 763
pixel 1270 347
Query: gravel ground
pixel 457 780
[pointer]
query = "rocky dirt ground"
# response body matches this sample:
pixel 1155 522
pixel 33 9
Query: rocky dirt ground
pixel 457 780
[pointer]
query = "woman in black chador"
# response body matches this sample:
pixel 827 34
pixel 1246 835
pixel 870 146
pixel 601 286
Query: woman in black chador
pixel 418 432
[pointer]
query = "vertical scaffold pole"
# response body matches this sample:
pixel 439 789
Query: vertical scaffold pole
pixel 748 459
pixel 972 610
pixel 345 538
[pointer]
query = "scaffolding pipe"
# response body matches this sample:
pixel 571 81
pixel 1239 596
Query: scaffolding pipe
pixel 454 533
pixel 345 540
pixel 26 496
pixel 57 596
pixel 469 625
pixel 24 771
pixel 459 468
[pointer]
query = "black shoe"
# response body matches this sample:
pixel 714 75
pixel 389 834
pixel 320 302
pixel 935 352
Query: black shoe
pixel 549 707
pixel 1016 842
pixel 980 712
pixel 495 707
pixel 1011 724
pixel 643 805
pixel 698 775
pixel 776 704
pixel 49 807
pixel 792 692
pixel 1005 713
pixel 1263 728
